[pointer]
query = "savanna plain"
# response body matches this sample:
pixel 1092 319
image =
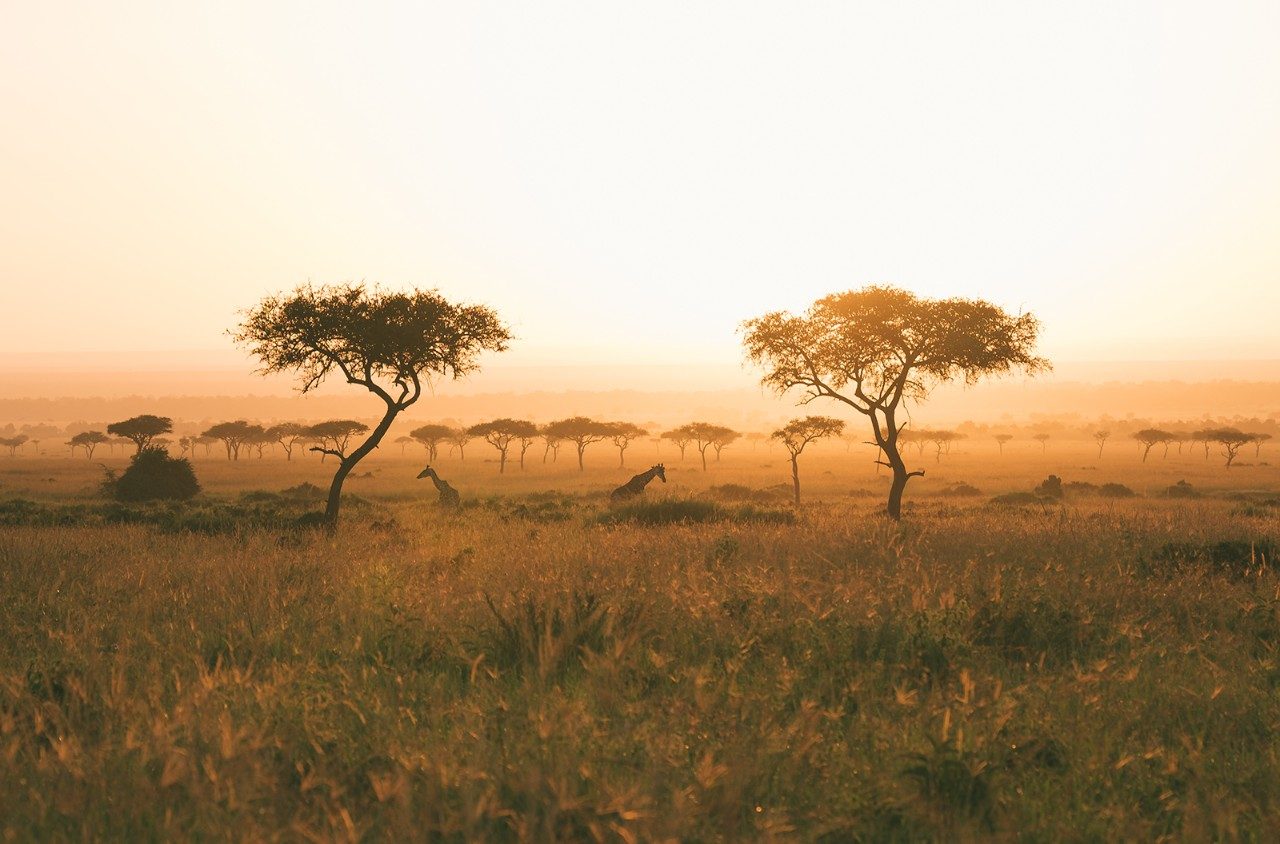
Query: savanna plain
pixel 712 663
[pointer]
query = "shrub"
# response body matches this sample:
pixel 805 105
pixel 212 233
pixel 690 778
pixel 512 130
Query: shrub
pixel 1050 487
pixel 1182 489
pixel 1116 491
pixel 689 511
pixel 961 490
pixel 153 476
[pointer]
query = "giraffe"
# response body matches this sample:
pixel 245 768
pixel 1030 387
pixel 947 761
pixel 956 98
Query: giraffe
pixel 636 485
pixel 448 495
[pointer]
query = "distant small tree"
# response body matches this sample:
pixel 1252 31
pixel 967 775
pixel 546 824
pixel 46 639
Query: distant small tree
pixel 552 441
pixel 942 441
pixel 580 431
pixel 797 434
pixel 141 430
pixel 259 439
pixel 289 435
pixel 1203 437
pixel 232 435
pixel 403 442
pixel 458 438
pixel 13 443
pixel 755 438
pixel 622 433
pixel 1001 439
pixel 526 439
pixel 1258 440
pixel 1043 439
pixel 88 440
pixel 1149 437
pixel 681 437
pixel 187 446
pixel 431 436
pixel 723 437
pixel 500 433
pixel 1231 440
pixel 1101 437
pixel 703 435
pixel 205 442
pixel 334 436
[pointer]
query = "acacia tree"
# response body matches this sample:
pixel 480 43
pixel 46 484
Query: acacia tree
pixel 873 349
pixel 141 430
pixel 1258 440
pixel 798 433
pixel 1101 437
pixel 500 433
pixel 723 437
pixel 580 431
pixel 527 438
pixel 386 342
pixel 1043 439
pixel 431 436
pixel 622 433
pixel 942 441
pixel 88 440
pixel 1231 440
pixel 232 435
pixel 1001 439
pixel 288 434
pixel 13 443
pixel 458 438
pixel 681 437
pixel 1148 437
pixel 552 441
pixel 187 445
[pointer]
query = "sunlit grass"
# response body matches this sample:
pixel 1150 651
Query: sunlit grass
pixel 1100 668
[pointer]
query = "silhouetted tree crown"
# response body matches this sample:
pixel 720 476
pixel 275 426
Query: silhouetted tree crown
pixel 500 433
pixel 798 433
pixel 578 430
pixel 141 430
pixel 387 342
pixel 873 348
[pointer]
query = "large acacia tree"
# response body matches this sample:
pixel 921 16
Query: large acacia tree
pixel 874 349
pixel 389 343
pixel 580 431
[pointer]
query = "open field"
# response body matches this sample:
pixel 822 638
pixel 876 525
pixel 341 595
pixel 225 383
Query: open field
pixel 1092 669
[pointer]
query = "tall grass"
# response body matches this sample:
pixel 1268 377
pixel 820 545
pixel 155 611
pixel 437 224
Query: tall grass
pixel 484 675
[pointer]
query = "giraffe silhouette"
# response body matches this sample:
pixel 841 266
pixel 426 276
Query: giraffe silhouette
pixel 636 485
pixel 448 495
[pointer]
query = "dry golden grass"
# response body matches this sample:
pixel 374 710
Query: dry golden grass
pixel 516 671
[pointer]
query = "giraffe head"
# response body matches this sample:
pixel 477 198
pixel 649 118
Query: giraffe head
pixel 660 471
pixel 425 473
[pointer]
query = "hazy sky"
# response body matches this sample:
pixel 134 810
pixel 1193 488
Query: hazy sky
pixel 631 180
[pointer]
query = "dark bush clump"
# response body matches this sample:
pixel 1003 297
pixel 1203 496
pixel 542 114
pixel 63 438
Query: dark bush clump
pixel 961 490
pixel 153 476
pixel 1115 491
pixel 1181 489
pixel 1050 487
pixel 681 511
pixel 1231 556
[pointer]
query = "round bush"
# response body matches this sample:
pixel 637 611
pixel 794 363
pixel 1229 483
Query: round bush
pixel 155 476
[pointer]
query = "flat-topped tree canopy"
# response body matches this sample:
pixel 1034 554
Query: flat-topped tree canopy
pixel 873 348
pixel 385 341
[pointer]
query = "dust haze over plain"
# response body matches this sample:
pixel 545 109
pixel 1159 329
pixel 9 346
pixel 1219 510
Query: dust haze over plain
pixel 625 185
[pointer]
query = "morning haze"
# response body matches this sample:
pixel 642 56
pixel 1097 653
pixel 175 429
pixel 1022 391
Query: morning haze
pixel 587 421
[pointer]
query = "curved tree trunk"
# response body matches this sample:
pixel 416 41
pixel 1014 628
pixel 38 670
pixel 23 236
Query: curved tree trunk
pixel 795 478
pixel 581 448
pixel 346 464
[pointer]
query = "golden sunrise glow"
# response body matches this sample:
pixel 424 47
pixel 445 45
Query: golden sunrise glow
pixel 630 181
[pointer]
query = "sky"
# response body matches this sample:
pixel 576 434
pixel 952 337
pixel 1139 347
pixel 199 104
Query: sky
pixel 627 182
